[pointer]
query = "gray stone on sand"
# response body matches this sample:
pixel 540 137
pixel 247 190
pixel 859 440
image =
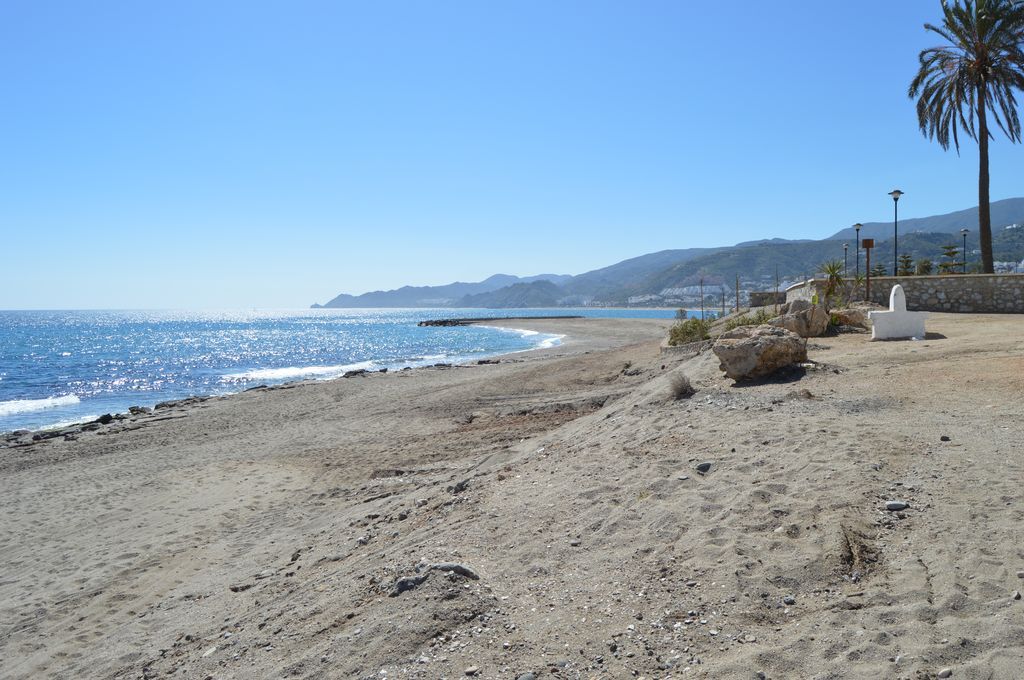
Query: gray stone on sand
pixel 895 506
pixel 758 351
pixel 406 583
pixel 456 568
pixel 945 673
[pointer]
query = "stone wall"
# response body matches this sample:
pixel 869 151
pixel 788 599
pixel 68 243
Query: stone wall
pixel 977 293
pixel 763 299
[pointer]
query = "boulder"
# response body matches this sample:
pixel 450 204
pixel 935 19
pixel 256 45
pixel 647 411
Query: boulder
pixel 758 351
pixel 850 317
pixel 804 319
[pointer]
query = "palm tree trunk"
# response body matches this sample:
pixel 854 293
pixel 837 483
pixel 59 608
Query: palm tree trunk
pixel 984 212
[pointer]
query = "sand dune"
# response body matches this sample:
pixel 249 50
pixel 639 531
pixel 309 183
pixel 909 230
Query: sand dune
pixel 310 531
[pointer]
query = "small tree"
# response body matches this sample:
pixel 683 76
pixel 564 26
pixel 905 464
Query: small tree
pixel 858 286
pixel 878 270
pixel 924 267
pixel 950 265
pixel 906 267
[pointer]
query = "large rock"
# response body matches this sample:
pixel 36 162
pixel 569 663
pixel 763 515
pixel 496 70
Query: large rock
pixel 804 319
pixel 758 351
pixel 850 317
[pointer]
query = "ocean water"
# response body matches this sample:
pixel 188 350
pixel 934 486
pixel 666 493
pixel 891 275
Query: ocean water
pixel 60 367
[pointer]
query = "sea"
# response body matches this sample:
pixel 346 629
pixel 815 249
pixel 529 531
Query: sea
pixel 63 367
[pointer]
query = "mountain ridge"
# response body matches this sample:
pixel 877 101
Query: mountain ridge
pixel 1005 211
pixel 667 274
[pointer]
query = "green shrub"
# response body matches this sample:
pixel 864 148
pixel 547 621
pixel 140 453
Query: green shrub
pixel 691 330
pixel 756 319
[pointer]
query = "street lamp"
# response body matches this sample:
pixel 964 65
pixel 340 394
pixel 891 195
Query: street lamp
pixel 856 228
pixel 963 232
pixel 895 193
pixel 846 248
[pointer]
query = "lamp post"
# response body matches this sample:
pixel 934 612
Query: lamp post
pixel 702 299
pixel 856 228
pixel 963 232
pixel 846 250
pixel 895 193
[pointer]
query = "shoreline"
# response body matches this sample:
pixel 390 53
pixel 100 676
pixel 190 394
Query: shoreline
pixel 139 412
pixel 68 424
pixel 555 514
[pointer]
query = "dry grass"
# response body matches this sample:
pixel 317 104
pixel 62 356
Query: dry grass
pixel 680 387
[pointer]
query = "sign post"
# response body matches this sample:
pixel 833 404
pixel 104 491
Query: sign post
pixel 867 244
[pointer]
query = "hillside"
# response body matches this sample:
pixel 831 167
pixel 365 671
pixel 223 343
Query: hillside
pixel 1004 212
pixel 666 273
pixel 434 296
pixel 519 295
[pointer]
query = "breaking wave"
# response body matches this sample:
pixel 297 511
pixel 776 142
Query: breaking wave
pixel 10 408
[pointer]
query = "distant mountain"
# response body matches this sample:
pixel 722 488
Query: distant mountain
pixel 629 274
pixel 535 294
pixel 435 296
pixel 1004 212
pixel 667 276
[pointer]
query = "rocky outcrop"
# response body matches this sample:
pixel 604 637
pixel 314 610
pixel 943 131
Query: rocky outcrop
pixel 804 319
pixel 758 351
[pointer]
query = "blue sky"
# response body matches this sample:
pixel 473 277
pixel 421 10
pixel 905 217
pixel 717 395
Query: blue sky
pixel 274 154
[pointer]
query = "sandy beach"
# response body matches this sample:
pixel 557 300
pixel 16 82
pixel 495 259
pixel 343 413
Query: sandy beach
pixel 541 517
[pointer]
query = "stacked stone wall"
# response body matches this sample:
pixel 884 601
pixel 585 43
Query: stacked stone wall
pixel 763 299
pixel 965 293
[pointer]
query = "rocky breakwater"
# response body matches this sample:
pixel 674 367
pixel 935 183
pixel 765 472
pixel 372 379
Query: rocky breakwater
pixel 484 319
pixel 758 351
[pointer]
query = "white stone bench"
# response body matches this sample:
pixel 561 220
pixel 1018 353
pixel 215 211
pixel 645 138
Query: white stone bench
pixel 897 322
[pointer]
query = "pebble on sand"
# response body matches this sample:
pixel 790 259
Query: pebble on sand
pixel 945 673
pixel 895 506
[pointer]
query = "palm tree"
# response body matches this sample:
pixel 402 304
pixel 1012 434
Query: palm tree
pixel 833 270
pixel 974 75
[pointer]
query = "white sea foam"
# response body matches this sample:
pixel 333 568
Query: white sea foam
pixel 10 408
pixel 292 372
pixel 552 341
pixel 548 341
pixel 61 424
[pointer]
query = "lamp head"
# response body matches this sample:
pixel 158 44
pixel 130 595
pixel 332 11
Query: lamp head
pixel 964 231
pixel 895 193
pixel 857 227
